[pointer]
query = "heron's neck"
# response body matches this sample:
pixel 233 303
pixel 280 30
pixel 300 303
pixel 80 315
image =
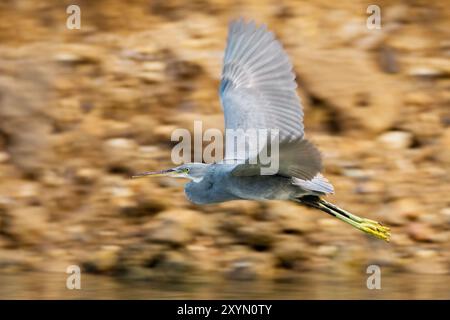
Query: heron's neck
pixel 196 180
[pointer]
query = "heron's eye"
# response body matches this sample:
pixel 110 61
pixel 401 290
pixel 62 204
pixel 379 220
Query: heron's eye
pixel 186 170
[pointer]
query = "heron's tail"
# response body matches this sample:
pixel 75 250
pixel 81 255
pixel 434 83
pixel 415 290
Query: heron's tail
pixel 366 225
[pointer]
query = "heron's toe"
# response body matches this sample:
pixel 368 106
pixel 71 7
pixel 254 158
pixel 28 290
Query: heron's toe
pixel 376 229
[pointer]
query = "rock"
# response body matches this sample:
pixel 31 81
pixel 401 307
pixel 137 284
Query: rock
pixel 291 217
pixel 174 227
pixel 141 208
pixel 427 262
pixel 87 175
pixel 105 128
pixel 444 152
pixel 249 267
pixel 370 187
pixel 408 208
pixel 397 13
pixel 426 254
pixel 419 98
pixel 103 260
pixel 258 235
pixel 189 219
pixel 358 173
pixel 396 139
pixel 52 179
pixel 119 151
pixel 28 225
pixel 329 223
pixel 374 41
pixel 118 144
pixel 169 232
pixel 432 219
pixel 77 53
pixel 426 127
pixel 446 214
pixel 441 237
pixel 327 251
pixel 27 191
pixel 143 126
pixel 392 218
pixel 290 252
pixel 424 72
pixel 372 102
pixel 157 66
pixel 388 60
pixel 242 270
pixel 16 261
pixel 164 132
pixel 151 76
pixel 230 223
pixel 138 254
pixel 429 67
pixel 351 30
pixel 154 262
pixel 401 240
pixel 140 198
pixel 170 264
pixel 245 208
pixel 420 232
pixel 178 69
pixel 4 157
pixel 411 41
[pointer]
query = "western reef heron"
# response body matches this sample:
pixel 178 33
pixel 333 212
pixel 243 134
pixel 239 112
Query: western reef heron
pixel 258 91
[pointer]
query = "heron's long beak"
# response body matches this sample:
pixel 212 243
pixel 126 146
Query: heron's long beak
pixel 155 173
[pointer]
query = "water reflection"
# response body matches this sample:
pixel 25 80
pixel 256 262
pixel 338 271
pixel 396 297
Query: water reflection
pixel 306 286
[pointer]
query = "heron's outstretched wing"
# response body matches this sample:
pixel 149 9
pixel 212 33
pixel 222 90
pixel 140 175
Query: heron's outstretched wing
pixel 258 91
pixel 258 88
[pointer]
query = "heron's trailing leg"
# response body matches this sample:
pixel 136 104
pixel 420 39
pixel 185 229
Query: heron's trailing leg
pixel 366 225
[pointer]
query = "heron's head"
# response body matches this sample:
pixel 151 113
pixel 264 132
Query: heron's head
pixel 193 171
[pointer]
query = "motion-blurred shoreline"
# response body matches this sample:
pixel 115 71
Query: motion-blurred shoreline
pixel 82 110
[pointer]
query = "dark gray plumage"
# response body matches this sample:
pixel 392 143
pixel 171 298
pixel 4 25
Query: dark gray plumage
pixel 218 184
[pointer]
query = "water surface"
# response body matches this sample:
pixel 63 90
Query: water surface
pixel 305 286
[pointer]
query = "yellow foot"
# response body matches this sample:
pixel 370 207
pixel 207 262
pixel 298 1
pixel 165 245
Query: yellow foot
pixel 376 229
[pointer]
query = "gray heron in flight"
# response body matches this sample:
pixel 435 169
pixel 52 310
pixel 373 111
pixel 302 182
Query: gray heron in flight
pixel 258 90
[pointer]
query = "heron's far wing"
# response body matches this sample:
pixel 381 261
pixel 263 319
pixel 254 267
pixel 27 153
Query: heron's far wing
pixel 299 159
pixel 258 88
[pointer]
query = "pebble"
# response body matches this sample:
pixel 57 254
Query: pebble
pixel 4 157
pixel 396 139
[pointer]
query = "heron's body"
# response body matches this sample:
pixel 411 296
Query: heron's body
pixel 258 91
pixel 219 185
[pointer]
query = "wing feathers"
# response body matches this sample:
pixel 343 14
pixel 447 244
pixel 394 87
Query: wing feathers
pixel 319 184
pixel 299 159
pixel 256 64
pixel 258 91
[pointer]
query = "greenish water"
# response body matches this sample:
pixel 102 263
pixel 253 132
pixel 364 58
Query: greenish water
pixel 305 286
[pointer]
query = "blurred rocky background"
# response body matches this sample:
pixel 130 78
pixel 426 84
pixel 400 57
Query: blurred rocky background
pixel 82 110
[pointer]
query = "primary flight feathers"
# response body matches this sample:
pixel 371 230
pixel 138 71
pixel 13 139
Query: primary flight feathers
pixel 258 91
